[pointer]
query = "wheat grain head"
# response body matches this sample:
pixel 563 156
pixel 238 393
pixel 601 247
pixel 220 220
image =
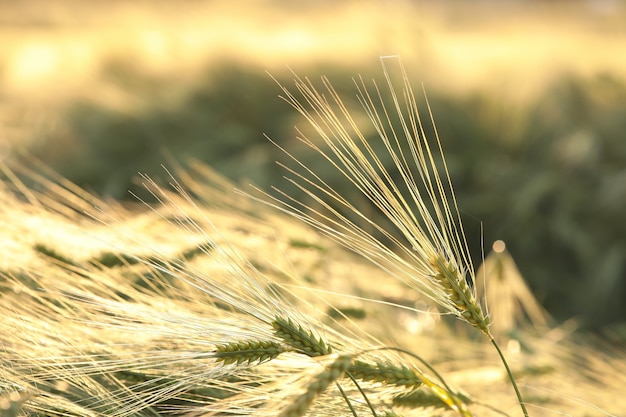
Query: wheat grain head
pixel 428 250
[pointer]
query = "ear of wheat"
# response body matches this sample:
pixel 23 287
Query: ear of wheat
pixel 430 253
pixel 419 201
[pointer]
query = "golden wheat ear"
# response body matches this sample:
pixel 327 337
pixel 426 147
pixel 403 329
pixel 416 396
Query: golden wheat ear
pixel 404 175
pixel 389 161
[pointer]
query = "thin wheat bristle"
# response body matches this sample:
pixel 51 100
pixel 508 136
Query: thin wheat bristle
pixel 322 380
pixel 301 340
pixel 249 352
pixel 460 293
pixel 385 373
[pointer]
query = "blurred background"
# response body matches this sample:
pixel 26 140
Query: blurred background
pixel 529 98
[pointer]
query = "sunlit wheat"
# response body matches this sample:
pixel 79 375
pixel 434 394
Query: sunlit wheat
pixel 430 252
pixel 202 302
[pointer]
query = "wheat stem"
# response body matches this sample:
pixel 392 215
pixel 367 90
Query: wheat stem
pixel 363 394
pixel 511 377
pixel 347 400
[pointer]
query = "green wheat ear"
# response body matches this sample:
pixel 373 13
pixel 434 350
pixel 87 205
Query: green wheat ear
pixel 459 292
pixel 298 338
pixel 249 352
pixel 386 373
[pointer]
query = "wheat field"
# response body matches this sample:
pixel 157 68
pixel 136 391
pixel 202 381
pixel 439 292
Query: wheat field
pixel 211 301
pixel 200 297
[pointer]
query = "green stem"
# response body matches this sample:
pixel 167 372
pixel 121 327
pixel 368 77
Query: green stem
pixel 347 400
pixel 369 404
pixel 511 377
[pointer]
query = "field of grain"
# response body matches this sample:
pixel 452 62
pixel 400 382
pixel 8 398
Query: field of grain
pixel 203 301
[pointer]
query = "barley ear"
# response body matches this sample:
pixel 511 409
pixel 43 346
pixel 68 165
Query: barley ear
pixel 464 300
pixel 462 296
pixel 301 340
